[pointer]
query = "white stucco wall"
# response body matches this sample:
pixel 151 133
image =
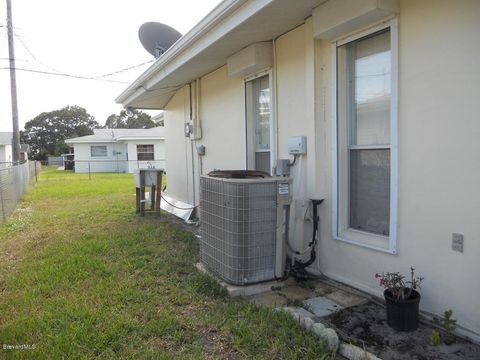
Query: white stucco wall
pixel 223 134
pixel 5 153
pixel 439 86
pixel 223 121
pixel 439 173
pixel 159 154
pixel 107 163
pixel 179 174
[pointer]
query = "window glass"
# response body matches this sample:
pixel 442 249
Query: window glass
pixel 262 99
pixel 371 74
pixel 98 150
pixel 258 122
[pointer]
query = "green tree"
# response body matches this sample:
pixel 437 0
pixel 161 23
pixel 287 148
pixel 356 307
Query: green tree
pixel 47 132
pixel 133 119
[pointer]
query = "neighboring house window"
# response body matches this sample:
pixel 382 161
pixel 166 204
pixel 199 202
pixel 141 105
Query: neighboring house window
pixel 366 164
pixel 98 150
pixel 258 111
pixel 145 152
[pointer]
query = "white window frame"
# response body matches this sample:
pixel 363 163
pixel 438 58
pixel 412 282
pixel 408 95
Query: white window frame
pixel 273 124
pixel 98 146
pixel 146 152
pixel 352 236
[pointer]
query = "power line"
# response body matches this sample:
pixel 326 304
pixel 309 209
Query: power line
pixel 124 69
pixel 59 72
pixel 65 75
pixel 19 38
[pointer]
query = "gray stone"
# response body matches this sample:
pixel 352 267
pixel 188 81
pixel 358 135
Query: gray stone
pixel 321 306
pixel 306 323
pixel 317 328
pixel 346 299
pixel 353 352
pixel 329 336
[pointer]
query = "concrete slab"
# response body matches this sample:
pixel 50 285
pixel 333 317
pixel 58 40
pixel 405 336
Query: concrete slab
pixel 322 306
pixel 246 290
pixel 296 293
pixel 269 299
pixel 346 299
pixel 321 289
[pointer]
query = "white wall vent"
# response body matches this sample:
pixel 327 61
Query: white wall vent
pixel 251 60
pixel 336 18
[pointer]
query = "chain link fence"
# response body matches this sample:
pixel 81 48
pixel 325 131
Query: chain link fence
pixel 111 166
pixel 14 181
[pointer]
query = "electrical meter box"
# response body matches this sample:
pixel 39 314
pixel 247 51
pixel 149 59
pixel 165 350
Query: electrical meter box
pixel 297 145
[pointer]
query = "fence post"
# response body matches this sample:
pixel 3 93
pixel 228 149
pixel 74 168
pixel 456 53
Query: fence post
pixel 36 178
pixel 89 176
pixel 4 216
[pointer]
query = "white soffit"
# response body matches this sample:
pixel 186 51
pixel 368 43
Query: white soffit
pixel 232 26
pixel 253 59
pixel 337 18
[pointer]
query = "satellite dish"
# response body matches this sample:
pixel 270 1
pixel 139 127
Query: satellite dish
pixel 156 38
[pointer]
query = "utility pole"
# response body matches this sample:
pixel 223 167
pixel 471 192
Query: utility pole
pixel 13 87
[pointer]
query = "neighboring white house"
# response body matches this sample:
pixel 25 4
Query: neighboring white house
pixel 386 93
pixel 119 150
pixel 6 149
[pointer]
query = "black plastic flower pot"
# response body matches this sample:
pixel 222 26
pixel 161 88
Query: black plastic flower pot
pixel 402 315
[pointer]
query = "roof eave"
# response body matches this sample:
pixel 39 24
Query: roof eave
pixel 73 141
pixel 142 138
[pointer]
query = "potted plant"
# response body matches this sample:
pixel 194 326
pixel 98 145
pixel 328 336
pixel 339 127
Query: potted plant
pixel 402 299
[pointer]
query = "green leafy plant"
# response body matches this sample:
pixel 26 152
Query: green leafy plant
pixel 435 338
pixel 449 324
pixel 395 282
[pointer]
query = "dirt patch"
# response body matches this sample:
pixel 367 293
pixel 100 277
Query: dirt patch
pixel 217 345
pixel 366 326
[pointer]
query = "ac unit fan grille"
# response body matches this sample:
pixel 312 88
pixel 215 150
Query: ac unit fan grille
pixel 238 229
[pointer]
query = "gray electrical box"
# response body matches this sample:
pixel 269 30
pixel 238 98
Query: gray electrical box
pixel 201 150
pixel 283 167
pixel 188 129
pixel 297 145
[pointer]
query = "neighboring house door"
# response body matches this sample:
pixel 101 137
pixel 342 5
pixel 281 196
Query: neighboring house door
pixel 259 120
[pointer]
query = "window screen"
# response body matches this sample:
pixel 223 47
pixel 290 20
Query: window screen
pixel 145 152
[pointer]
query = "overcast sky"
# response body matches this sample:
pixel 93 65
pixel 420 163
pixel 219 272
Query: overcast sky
pixel 85 38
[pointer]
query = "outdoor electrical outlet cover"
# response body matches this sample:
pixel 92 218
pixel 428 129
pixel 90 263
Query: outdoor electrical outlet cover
pixel 457 242
pixel 201 150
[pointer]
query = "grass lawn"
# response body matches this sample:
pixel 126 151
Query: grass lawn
pixel 82 277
